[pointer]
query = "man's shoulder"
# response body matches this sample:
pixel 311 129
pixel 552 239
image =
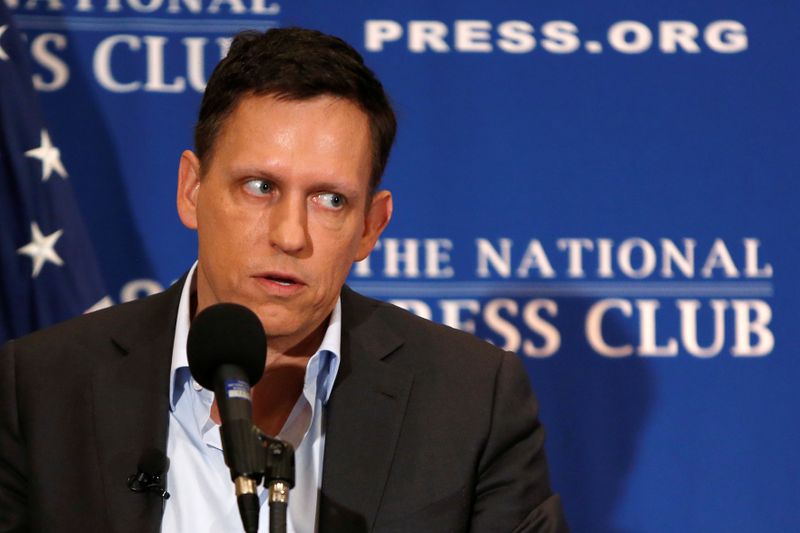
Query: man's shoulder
pixel 426 342
pixel 127 320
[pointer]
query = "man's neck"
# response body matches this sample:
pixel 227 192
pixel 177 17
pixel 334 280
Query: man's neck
pixel 275 395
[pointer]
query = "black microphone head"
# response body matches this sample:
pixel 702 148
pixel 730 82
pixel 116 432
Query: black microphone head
pixel 153 462
pixel 226 334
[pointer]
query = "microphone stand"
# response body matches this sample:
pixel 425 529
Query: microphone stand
pixel 278 479
pixel 277 467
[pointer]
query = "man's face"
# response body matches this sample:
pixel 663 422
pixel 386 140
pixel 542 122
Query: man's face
pixel 282 211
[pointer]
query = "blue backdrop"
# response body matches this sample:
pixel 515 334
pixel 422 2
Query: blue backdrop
pixel 607 188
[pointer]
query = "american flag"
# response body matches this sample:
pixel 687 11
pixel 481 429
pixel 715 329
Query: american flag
pixel 48 270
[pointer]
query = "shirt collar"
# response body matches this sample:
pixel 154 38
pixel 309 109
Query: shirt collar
pixel 179 357
pixel 323 371
pixel 329 353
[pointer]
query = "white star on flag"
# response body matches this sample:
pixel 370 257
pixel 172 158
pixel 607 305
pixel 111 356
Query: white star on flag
pixel 49 155
pixel 3 54
pixel 42 248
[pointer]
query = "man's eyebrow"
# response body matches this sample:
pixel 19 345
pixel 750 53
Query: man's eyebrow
pixel 333 186
pixel 255 172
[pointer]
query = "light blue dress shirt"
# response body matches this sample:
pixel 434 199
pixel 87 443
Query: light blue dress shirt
pixel 202 493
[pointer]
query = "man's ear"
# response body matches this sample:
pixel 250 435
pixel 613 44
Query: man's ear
pixel 377 217
pixel 188 187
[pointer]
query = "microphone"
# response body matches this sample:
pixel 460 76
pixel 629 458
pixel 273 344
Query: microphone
pixel 227 351
pixel 153 464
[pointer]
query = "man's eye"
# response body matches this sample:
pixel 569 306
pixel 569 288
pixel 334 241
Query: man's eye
pixel 258 187
pixel 331 200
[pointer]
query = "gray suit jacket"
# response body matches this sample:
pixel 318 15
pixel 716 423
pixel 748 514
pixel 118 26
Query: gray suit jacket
pixel 427 428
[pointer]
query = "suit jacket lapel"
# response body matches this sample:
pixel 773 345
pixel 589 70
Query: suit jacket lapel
pixel 131 406
pixel 363 419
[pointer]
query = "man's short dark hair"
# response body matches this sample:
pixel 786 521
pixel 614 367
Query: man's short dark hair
pixel 295 64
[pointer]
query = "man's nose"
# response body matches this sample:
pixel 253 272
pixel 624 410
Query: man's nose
pixel 288 225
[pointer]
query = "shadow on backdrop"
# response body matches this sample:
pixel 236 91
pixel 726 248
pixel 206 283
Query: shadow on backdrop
pixel 594 409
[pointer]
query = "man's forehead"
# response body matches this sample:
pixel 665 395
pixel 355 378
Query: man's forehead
pixel 326 136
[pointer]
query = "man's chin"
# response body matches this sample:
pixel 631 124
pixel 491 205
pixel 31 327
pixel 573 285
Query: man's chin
pixel 279 326
pixel 287 333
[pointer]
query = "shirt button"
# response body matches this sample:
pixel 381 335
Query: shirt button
pixel 196 386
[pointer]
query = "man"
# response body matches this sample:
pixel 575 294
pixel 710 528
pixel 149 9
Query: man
pixel 399 424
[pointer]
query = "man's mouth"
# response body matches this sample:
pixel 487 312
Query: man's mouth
pixel 282 279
